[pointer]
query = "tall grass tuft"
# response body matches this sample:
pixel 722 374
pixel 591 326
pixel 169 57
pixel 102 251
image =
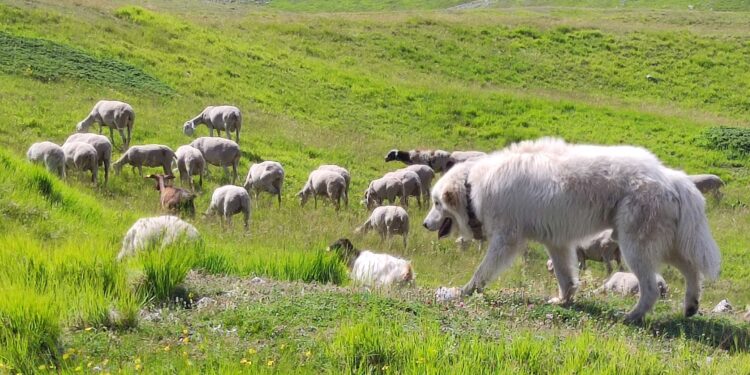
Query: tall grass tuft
pixel 165 269
pixel 319 266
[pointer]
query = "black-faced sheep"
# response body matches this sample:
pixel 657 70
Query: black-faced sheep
pixel 438 160
pixel 49 154
pixel 224 117
pixel 370 269
pixel 113 114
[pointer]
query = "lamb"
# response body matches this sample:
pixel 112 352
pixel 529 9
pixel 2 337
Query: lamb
pixel 219 152
pixel 50 154
pixel 103 149
pixel 387 221
pixel 323 183
pixel 172 199
pixel 373 270
pixel 626 283
pixel 81 156
pixel 190 162
pixel 426 175
pixel 344 173
pixel 115 115
pixel 148 155
pixel 384 188
pixel 267 176
pixel 228 200
pixel 708 183
pixel 601 248
pixel 156 231
pixel 438 160
pixel 412 185
pixel 224 117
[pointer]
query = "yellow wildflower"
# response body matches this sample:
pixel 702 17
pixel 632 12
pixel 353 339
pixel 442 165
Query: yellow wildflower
pixel 185 340
pixel 246 362
pixel 66 356
pixel 79 368
pixel 104 363
pixel 167 348
pixel 185 331
pixel 138 360
pixel 308 354
pixel 138 367
pixel 270 363
pixel 252 351
pixel 89 364
pixel 283 346
pixel 88 329
pixel 42 367
pixel 386 367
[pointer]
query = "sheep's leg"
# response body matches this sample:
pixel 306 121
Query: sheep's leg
pixel 210 131
pixel 499 256
pixel 608 264
pixel 404 238
pixel 237 133
pixel 130 129
pixel 124 139
pixel 234 172
pixel 247 218
pixel 94 172
pixel 112 136
pixel 140 170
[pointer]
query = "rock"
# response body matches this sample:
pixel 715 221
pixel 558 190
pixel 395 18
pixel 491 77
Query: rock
pixel 257 280
pixel 444 294
pixel 205 302
pixel 722 307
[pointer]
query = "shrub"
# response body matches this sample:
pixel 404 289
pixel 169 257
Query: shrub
pixel 733 141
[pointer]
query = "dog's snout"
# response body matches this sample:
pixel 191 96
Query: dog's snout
pixel 424 224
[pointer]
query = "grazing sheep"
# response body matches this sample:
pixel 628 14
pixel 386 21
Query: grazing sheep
pixel 426 175
pixel 323 183
pixel 344 173
pixel 156 231
pixel 228 200
pixel 219 152
pixel 267 176
pixel 601 248
pixel 627 283
pixel 412 185
pixel 224 117
pixel 384 188
pixel 50 154
pixel 103 149
pixel 115 115
pixel 175 200
pixel 387 221
pixel 438 160
pixel 81 156
pixel 146 155
pixel 190 162
pixel 370 269
pixel 708 183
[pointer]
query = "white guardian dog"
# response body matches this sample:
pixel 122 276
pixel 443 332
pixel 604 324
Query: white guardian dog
pixel 558 194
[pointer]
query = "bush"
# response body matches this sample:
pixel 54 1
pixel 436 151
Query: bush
pixel 735 142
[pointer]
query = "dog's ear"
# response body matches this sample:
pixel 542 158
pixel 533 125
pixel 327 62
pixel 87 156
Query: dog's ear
pixel 450 197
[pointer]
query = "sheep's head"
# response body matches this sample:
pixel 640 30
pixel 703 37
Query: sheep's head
pixel 188 128
pixel 370 201
pixel 81 127
pixel 303 196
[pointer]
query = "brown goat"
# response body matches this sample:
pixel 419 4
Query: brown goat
pixel 174 199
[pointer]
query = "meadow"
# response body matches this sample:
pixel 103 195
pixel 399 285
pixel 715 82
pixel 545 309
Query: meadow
pixel 344 82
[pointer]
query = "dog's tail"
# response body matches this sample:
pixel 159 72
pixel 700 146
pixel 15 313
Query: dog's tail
pixel 693 235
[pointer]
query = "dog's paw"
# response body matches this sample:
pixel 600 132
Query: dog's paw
pixel 556 301
pixel 444 294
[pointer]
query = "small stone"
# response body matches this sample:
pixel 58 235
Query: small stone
pixel 444 294
pixel 257 280
pixel 205 302
pixel 722 307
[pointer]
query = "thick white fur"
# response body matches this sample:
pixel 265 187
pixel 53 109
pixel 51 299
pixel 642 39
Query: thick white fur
pixel 380 270
pixel 557 194
pixel 152 231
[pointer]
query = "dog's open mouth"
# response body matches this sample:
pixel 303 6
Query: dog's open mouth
pixel 445 228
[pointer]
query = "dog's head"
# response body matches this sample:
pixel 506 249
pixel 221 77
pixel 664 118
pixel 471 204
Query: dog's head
pixel 449 204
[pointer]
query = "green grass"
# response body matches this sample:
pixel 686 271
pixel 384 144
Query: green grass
pixel 437 79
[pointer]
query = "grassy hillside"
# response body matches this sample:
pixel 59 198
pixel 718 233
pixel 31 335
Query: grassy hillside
pixel 345 88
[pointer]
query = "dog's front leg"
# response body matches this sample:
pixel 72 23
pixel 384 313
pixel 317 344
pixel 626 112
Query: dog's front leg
pixel 500 254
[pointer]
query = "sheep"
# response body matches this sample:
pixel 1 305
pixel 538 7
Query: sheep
pixel 708 183
pixel 601 248
pixel 50 154
pixel 219 152
pixel 626 283
pixel 228 200
pixel 267 176
pixel 190 162
pixel 148 155
pixel 81 156
pixel 412 185
pixel 384 188
pixel 426 175
pixel 158 231
pixel 224 117
pixel 103 149
pixel 111 113
pixel 323 183
pixel 438 160
pixel 373 270
pixel 387 221
pixel 344 173
pixel 172 199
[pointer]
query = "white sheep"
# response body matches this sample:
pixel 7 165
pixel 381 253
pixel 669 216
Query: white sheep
pixel 387 221
pixel 601 248
pixel 229 200
pixel 626 283
pixel 81 156
pixel 708 183
pixel 190 162
pixel 219 152
pixel 113 114
pixel 103 149
pixel 223 117
pixel 426 175
pixel 384 188
pixel 146 155
pixel 158 231
pixel 49 154
pixel 412 185
pixel 371 269
pixel 344 173
pixel 324 183
pixel 267 176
